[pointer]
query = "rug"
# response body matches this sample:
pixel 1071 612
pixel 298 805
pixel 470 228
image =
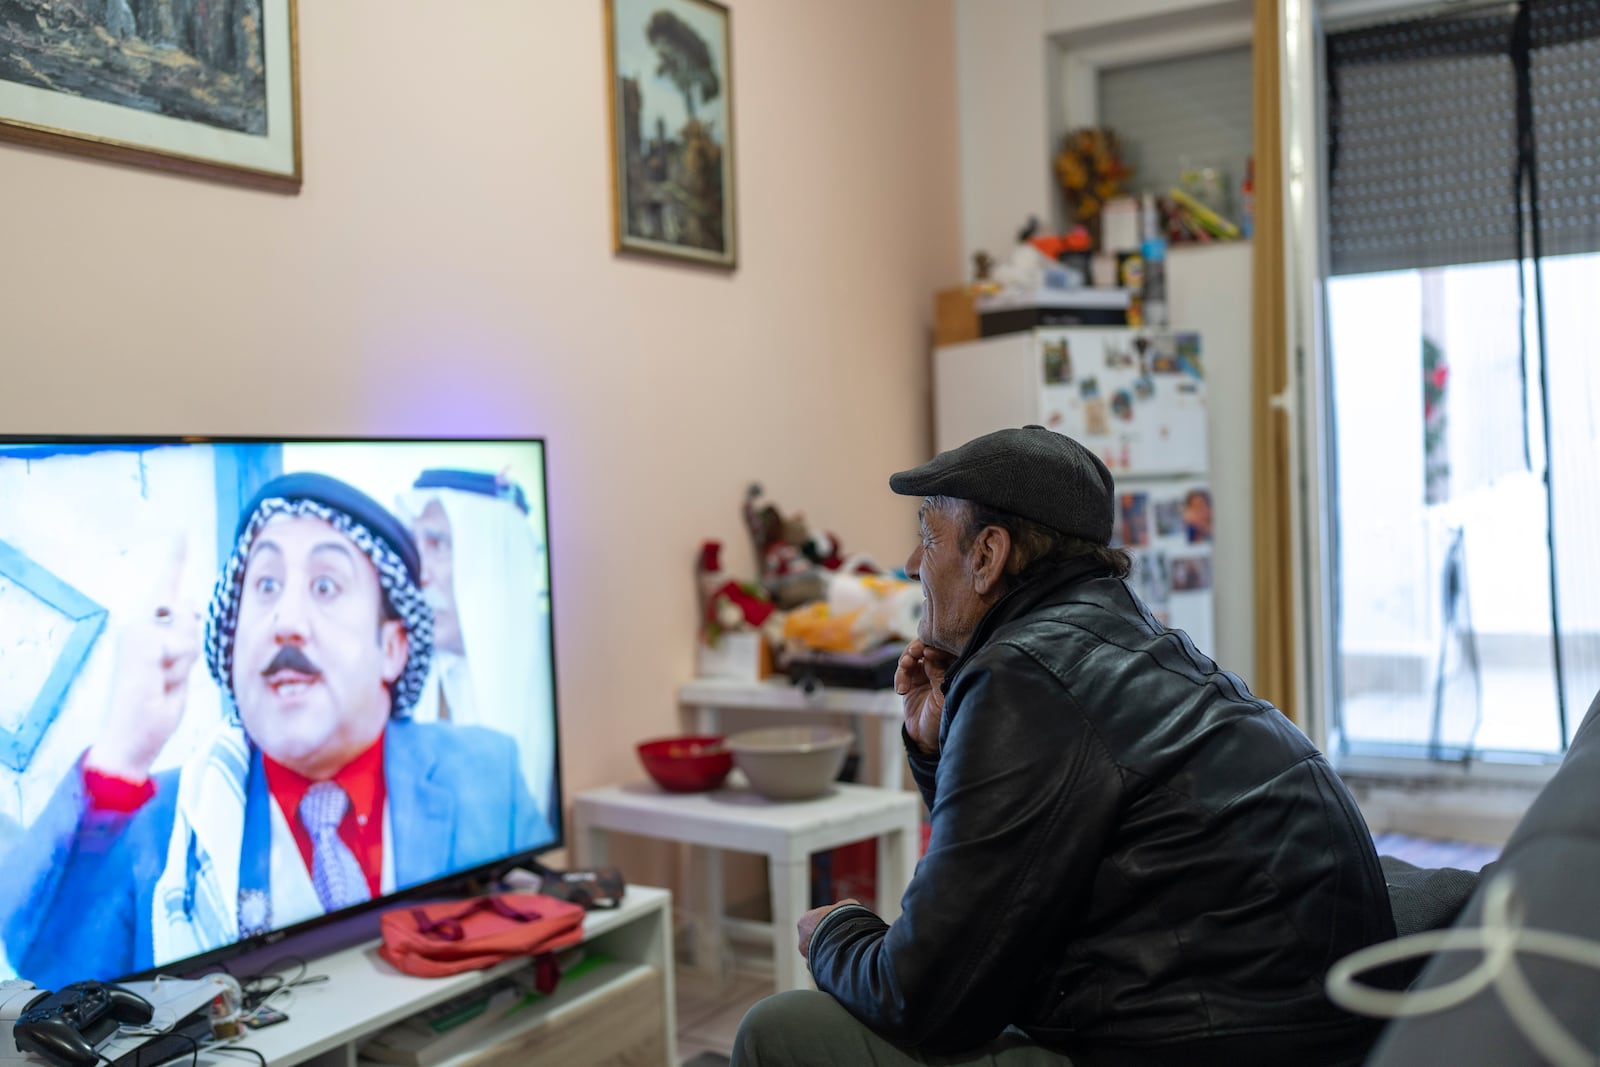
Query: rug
pixel 1428 852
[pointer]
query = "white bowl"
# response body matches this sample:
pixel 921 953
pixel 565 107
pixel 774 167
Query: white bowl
pixel 791 762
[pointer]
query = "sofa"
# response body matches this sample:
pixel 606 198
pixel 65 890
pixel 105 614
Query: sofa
pixel 1553 860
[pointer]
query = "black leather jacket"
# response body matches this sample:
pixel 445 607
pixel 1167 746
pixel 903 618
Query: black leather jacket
pixel 1132 859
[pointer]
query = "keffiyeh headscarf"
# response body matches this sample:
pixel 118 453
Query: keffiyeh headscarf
pixel 372 529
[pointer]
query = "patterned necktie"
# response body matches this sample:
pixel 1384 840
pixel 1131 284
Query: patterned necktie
pixel 335 872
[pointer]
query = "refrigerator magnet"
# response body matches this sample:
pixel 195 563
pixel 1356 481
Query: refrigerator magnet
pixel 1122 405
pixel 1095 423
pixel 1190 573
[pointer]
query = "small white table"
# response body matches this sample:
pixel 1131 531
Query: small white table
pixel 787 832
pixel 707 697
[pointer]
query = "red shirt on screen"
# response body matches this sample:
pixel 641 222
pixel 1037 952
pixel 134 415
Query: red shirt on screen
pixel 362 826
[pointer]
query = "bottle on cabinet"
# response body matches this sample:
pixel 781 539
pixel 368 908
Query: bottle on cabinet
pixel 1153 251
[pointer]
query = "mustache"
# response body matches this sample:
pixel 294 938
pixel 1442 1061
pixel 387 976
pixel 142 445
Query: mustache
pixel 290 658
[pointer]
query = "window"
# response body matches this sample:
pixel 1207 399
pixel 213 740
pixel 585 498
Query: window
pixel 1464 241
pixel 1182 111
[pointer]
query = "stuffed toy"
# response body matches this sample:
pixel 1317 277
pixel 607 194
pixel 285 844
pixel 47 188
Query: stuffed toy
pixel 788 576
pixel 795 558
pixel 726 603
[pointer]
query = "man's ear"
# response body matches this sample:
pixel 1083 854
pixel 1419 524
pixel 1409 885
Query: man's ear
pixel 396 646
pixel 991 550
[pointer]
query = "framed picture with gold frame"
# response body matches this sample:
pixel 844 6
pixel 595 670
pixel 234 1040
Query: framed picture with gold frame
pixel 671 88
pixel 202 87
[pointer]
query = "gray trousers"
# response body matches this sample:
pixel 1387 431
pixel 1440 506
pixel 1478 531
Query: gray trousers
pixel 808 1028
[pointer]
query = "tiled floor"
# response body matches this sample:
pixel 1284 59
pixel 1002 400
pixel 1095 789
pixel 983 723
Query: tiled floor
pixel 709 1009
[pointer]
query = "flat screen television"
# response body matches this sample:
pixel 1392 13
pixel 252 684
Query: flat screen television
pixel 248 686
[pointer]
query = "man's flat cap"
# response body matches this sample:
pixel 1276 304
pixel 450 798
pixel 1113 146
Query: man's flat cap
pixel 1032 472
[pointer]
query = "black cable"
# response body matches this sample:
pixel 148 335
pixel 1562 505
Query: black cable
pixel 1527 180
pixel 299 961
pixel 259 988
pixel 194 1052
pixel 240 1048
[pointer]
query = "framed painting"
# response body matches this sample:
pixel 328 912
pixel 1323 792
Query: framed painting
pixel 671 78
pixel 202 87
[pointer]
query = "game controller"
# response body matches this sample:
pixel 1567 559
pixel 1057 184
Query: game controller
pixel 66 1025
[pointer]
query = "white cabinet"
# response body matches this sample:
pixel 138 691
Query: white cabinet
pixel 620 1012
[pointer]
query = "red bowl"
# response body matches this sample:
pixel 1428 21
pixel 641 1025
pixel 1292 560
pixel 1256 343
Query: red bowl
pixel 690 764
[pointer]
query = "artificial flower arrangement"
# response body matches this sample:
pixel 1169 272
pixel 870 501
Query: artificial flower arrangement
pixel 1091 170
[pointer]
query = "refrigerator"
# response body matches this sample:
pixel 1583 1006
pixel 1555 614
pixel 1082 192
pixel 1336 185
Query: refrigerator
pixel 1134 397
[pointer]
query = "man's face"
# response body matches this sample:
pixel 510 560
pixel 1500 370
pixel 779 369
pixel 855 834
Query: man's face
pixel 313 656
pixel 951 605
pixel 434 543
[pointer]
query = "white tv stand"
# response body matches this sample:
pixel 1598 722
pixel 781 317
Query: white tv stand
pixel 621 1012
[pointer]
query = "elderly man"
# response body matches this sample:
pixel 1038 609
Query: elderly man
pixel 1133 860
pixel 491 666
pixel 319 794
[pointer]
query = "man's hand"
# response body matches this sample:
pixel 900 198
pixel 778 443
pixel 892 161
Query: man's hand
pixel 151 685
pixel 808 924
pixel 917 679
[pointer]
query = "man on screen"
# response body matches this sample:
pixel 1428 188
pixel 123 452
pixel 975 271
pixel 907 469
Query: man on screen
pixel 320 793
pixel 491 664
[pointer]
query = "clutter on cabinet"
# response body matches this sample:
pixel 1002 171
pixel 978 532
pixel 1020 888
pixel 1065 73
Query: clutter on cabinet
pixel 860 612
pixel 794 555
pixel 589 888
pixel 1041 261
pixel 1247 199
pixel 1013 312
pixel 1120 226
pixel 732 612
pixel 871 669
pixel 1190 219
pixel 1153 253
pixel 1046 282
pixel 955 315
pixel 1052 264
pixel 726 603
pixel 740 656
pixel 812 597
pixel 1092 171
pixel 1205 180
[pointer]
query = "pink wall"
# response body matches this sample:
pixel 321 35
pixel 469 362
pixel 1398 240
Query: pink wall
pixel 448 269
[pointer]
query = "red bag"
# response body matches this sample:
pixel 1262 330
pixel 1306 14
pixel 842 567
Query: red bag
pixel 468 935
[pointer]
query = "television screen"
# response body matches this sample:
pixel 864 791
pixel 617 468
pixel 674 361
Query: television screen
pixel 249 684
